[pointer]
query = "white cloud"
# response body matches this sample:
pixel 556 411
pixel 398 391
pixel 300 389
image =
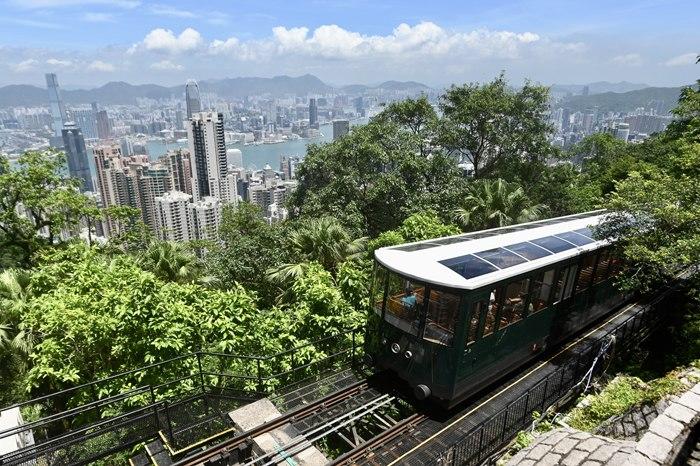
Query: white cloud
pixel 333 42
pixel 165 10
pixel 99 65
pixel 24 66
pixel 35 4
pixel 682 60
pixel 59 63
pixel 164 40
pixel 98 17
pixel 628 59
pixel 167 65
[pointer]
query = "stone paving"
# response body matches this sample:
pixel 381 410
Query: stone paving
pixel 662 442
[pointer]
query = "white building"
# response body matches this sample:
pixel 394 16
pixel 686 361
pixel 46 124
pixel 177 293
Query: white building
pixel 206 217
pixel 174 216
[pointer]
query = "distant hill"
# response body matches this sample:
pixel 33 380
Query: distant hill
pixel 662 98
pixel 125 93
pixel 598 87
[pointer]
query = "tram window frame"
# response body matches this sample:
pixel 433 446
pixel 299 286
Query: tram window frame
pixel 493 309
pixel 414 325
pixel 570 281
pixel 563 282
pixel 587 262
pixel 384 285
pixel 453 320
pixel 476 316
pixel 537 286
pixel 510 310
pixel 605 255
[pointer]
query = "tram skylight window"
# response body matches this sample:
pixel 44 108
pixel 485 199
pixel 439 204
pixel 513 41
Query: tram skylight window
pixel 585 232
pixel 553 244
pixel 469 266
pixel 528 250
pixel 501 258
pixel 576 238
pixel 452 240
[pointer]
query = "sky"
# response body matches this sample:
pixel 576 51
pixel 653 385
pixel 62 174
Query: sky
pixel 437 42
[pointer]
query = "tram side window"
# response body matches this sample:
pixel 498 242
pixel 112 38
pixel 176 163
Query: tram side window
pixel 586 274
pixel 541 290
pixel 403 302
pixel 492 312
pixel 478 308
pixel 514 302
pixel 378 289
pixel 564 283
pixel 601 272
pixel 441 317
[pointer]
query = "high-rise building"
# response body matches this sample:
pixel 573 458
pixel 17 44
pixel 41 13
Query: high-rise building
pixel 313 113
pixel 86 121
pixel 205 135
pixel 192 98
pixel 76 153
pixel 340 128
pixel 622 131
pixel 180 170
pixel 174 216
pixel 565 119
pixel 58 111
pixel 104 128
pixel 206 217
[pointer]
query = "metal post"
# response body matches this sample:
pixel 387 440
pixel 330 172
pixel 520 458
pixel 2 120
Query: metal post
pixel 544 396
pixel 166 406
pixel 156 419
pixel 481 442
pixel 261 389
pixel 352 356
pixel 527 402
pixel 201 375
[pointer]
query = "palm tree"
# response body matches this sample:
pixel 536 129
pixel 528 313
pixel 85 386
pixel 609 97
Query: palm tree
pixel 171 261
pixel 15 342
pixel 496 203
pixel 323 240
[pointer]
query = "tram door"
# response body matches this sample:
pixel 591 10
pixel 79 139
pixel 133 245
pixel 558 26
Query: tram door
pixel 480 335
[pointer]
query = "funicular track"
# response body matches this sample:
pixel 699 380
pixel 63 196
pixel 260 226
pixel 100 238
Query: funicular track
pixel 477 428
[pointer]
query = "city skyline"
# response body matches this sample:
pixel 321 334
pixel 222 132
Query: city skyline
pixel 349 42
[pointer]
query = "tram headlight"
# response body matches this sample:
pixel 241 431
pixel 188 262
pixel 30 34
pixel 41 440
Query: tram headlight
pixel 384 341
pixel 408 355
pixel 395 348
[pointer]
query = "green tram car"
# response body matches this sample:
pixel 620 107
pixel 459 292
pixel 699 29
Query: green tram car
pixel 454 313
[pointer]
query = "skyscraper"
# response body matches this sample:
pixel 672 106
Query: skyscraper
pixel 313 113
pixel 192 98
pixel 58 111
pixel 205 135
pixel 85 120
pixel 180 170
pixel 104 129
pixel 206 217
pixel 340 128
pixel 76 153
pixel 174 217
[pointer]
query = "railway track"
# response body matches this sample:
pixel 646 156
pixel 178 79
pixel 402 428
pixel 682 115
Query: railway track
pixel 229 446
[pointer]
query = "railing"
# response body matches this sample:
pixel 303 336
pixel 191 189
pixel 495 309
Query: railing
pixel 482 442
pixel 89 421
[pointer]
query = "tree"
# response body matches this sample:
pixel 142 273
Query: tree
pixel 322 240
pixel 496 203
pixel 37 203
pixel 416 116
pixel 494 127
pixel 172 262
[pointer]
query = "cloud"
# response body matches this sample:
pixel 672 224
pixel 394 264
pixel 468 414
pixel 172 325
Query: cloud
pixel 682 60
pixel 42 4
pixel 32 23
pixel 628 59
pixel 335 43
pixel 59 63
pixel 165 10
pixel 99 65
pixel 24 66
pixel 98 17
pixel 167 65
pixel 164 40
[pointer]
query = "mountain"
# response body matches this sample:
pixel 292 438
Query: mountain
pixel 125 93
pixel 661 98
pixel 598 87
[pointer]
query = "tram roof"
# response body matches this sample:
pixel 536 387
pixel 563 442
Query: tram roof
pixel 472 260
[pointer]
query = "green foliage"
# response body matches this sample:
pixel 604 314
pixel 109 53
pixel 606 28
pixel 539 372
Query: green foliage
pixel 52 202
pixel 496 203
pixel 618 396
pixel 172 262
pixel 495 127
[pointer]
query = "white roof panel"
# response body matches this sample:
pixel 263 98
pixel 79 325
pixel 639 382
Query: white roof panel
pixel 473 260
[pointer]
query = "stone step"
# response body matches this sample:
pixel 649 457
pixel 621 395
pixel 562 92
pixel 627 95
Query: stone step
pixel 140 460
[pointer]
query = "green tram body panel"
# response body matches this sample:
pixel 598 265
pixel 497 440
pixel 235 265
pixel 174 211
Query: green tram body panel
pixel 454 371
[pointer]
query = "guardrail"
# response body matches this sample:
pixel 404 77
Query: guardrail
pixel 91 420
